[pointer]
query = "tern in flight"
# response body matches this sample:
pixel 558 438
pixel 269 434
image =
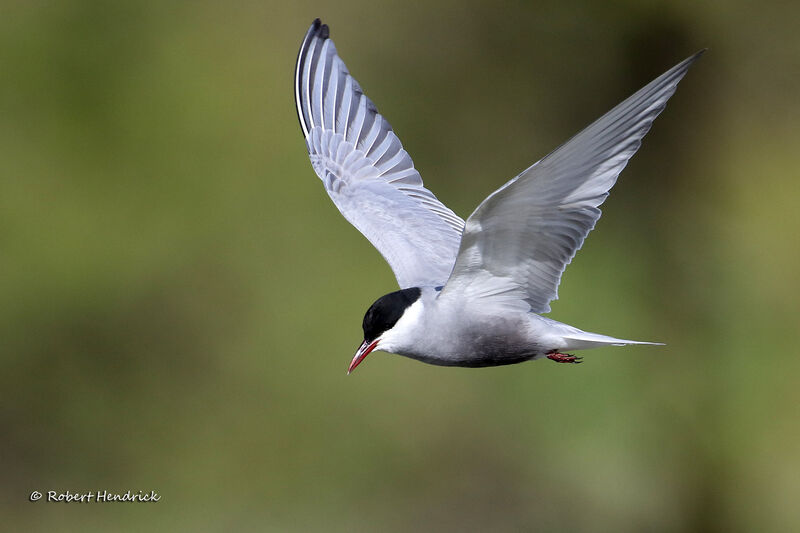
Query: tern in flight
pixel 471 293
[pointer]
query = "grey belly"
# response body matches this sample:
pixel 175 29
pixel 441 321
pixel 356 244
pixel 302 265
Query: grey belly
pixel 475 348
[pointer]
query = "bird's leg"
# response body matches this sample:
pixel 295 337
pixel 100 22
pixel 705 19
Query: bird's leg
pixel 563 357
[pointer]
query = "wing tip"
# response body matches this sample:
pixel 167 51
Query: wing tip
pixel 694 57
pixel 317 30
pixel 686 63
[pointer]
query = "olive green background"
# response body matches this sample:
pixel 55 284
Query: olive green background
pixel 179 299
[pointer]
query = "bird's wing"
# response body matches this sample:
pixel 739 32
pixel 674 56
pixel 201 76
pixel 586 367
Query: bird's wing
pixel 366 171
pixel 519 240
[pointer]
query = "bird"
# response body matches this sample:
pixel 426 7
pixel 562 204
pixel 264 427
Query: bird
pixel 472 293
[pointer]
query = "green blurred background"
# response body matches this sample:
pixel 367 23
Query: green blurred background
pixel 179 299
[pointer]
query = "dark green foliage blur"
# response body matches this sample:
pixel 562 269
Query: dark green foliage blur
pixel 179 299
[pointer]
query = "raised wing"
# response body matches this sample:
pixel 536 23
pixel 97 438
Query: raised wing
pixel 519 240
pixel 366 171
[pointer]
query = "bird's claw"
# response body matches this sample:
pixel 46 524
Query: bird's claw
pixel 564 358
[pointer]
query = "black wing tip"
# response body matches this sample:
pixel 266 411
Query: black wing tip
pixel 318 29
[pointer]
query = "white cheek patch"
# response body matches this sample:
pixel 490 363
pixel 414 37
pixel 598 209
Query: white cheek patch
pixel 403 331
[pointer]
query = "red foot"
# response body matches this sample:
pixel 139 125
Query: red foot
pixel 563 357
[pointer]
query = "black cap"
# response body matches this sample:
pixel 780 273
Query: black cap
pixel 387 310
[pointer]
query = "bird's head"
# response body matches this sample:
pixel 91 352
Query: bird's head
pixel 381 322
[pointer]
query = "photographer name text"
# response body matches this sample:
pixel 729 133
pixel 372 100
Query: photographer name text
pixel 98 496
